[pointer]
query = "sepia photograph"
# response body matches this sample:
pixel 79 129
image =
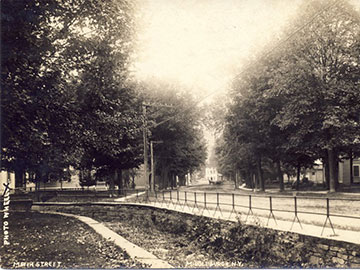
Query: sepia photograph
pixel 185 134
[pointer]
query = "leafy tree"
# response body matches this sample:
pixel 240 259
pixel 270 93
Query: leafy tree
pixel 215 114
pixel 301 102
pixel 30 96
pixel 318 82
pixel 175 120
pixel 111 115
pixel 58 56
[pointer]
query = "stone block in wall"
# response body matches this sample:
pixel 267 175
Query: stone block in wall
pixel 315 260
pixel 323 247
pixel 318 254
pixel 342 256
pixel 338 261
pixel 331 253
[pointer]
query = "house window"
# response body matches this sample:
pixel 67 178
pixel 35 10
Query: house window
pixel 356 171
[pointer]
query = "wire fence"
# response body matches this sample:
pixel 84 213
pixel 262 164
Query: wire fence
pixel 325 212
pixel 335 213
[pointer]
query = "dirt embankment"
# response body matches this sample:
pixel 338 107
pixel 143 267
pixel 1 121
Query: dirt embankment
pixel 190 241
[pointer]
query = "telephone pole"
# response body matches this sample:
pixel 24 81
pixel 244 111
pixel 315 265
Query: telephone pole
pixel 145 147
pixel 145 138
pixel 152 164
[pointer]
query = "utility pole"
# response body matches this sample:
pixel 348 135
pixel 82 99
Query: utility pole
pixel 152 164
pixel 145 134
pixel 145 147
pixel 152 187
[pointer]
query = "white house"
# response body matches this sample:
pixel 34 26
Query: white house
pixel 211 174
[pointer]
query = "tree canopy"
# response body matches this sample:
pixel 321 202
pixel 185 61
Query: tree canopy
pixel 299 101
pixel 65 92
pixel 174 119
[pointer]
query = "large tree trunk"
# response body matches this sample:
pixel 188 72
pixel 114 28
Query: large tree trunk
pixel 132 175
pixel 280 175
pixel 182 180
pixel 25 180
pixel 172 180
pixel 248 179
pixel 162 177
pixel 332 169
pixel 336 161
pixel 119 181
pixel 32 178
pixel 37 180
pixel 166 179
pixel 298 176
pixel 326 171
pixel 156 180
pixel 256 181
pixel 126 178
pixel 260 174
pixel 236 178
pixel 112 181
pixel 19 177
pixel 351 167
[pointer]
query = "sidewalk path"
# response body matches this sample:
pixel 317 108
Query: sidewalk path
pixel 344 212
pixel 308 193
pixel 281 225
pixel 123 199
pixel 134 251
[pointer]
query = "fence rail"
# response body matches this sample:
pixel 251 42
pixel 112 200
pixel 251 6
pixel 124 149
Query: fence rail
pixel 322 211
pixel 288 207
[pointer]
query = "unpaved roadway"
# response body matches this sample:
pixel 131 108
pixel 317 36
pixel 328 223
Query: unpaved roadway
pixel 344 211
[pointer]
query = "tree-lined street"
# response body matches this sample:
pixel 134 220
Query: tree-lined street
pixel 200 105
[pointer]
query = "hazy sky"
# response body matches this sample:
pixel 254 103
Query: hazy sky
pixel 201 43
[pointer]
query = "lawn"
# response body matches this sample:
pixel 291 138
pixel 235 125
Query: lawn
pixel 52 241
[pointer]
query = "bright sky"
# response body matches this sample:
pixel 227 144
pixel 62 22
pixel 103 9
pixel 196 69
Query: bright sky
pixel 201 43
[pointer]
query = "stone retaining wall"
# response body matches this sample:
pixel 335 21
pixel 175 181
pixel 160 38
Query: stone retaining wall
pixel 320 252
